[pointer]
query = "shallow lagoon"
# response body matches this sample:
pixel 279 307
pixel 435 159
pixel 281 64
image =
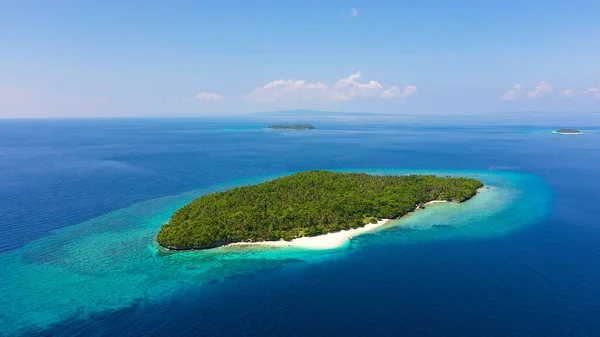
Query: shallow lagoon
pixel 112 262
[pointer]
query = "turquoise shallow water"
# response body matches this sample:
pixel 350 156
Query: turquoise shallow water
pixel 112 262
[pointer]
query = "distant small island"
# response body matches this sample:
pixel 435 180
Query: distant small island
pixel 291 127
pixel 306 204
pixel 567 131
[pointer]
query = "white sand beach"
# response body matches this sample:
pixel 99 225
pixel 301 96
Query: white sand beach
pixel 325 241
pixel 434 202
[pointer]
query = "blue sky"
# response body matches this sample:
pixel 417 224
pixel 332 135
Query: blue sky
pixel 181 58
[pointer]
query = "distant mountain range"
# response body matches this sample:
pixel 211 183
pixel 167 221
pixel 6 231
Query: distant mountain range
pixel 314 113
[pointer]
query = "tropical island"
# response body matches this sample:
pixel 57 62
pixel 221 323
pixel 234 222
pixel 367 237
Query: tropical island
pixel 291 127
pixel 568 131
pixel 303 205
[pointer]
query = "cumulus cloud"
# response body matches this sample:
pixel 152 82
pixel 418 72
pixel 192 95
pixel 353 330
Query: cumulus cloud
pixel 568 93
pixel 513 93
pixel 594 92
pixel 350 87
pixel 397 92
pixel 344 89
pixel 353 12
pixel 540 90
pixel 290 89
pixel 543 88
pixel 208 96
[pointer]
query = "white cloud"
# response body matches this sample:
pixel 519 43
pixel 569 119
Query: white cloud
pixel 543 88
pixel 513 93
pixel 290 89
pixel 397 92
pixel 540 90
pixel 353 12
pixel 568 93
pixel 342 90
pixel 349 87
pixel 594 92
pixel 208 96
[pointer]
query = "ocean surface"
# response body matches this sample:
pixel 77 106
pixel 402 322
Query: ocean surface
pixel 81 201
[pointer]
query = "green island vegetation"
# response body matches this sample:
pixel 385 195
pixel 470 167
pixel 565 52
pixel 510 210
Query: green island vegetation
pixel 291 127
pixel 568 131
pixel 305 204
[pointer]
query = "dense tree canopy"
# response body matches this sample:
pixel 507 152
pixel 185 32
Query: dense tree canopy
pixel 304 204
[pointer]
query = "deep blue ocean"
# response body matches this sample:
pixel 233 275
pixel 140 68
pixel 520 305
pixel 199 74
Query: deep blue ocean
pixel 82 199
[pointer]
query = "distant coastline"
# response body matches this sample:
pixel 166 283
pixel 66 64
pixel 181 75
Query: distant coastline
pixel 297 127
pixel 316 113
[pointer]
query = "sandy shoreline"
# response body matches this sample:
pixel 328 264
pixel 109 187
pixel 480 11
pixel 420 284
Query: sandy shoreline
pixel 325 241
pixel 434 202
pixel 329 240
